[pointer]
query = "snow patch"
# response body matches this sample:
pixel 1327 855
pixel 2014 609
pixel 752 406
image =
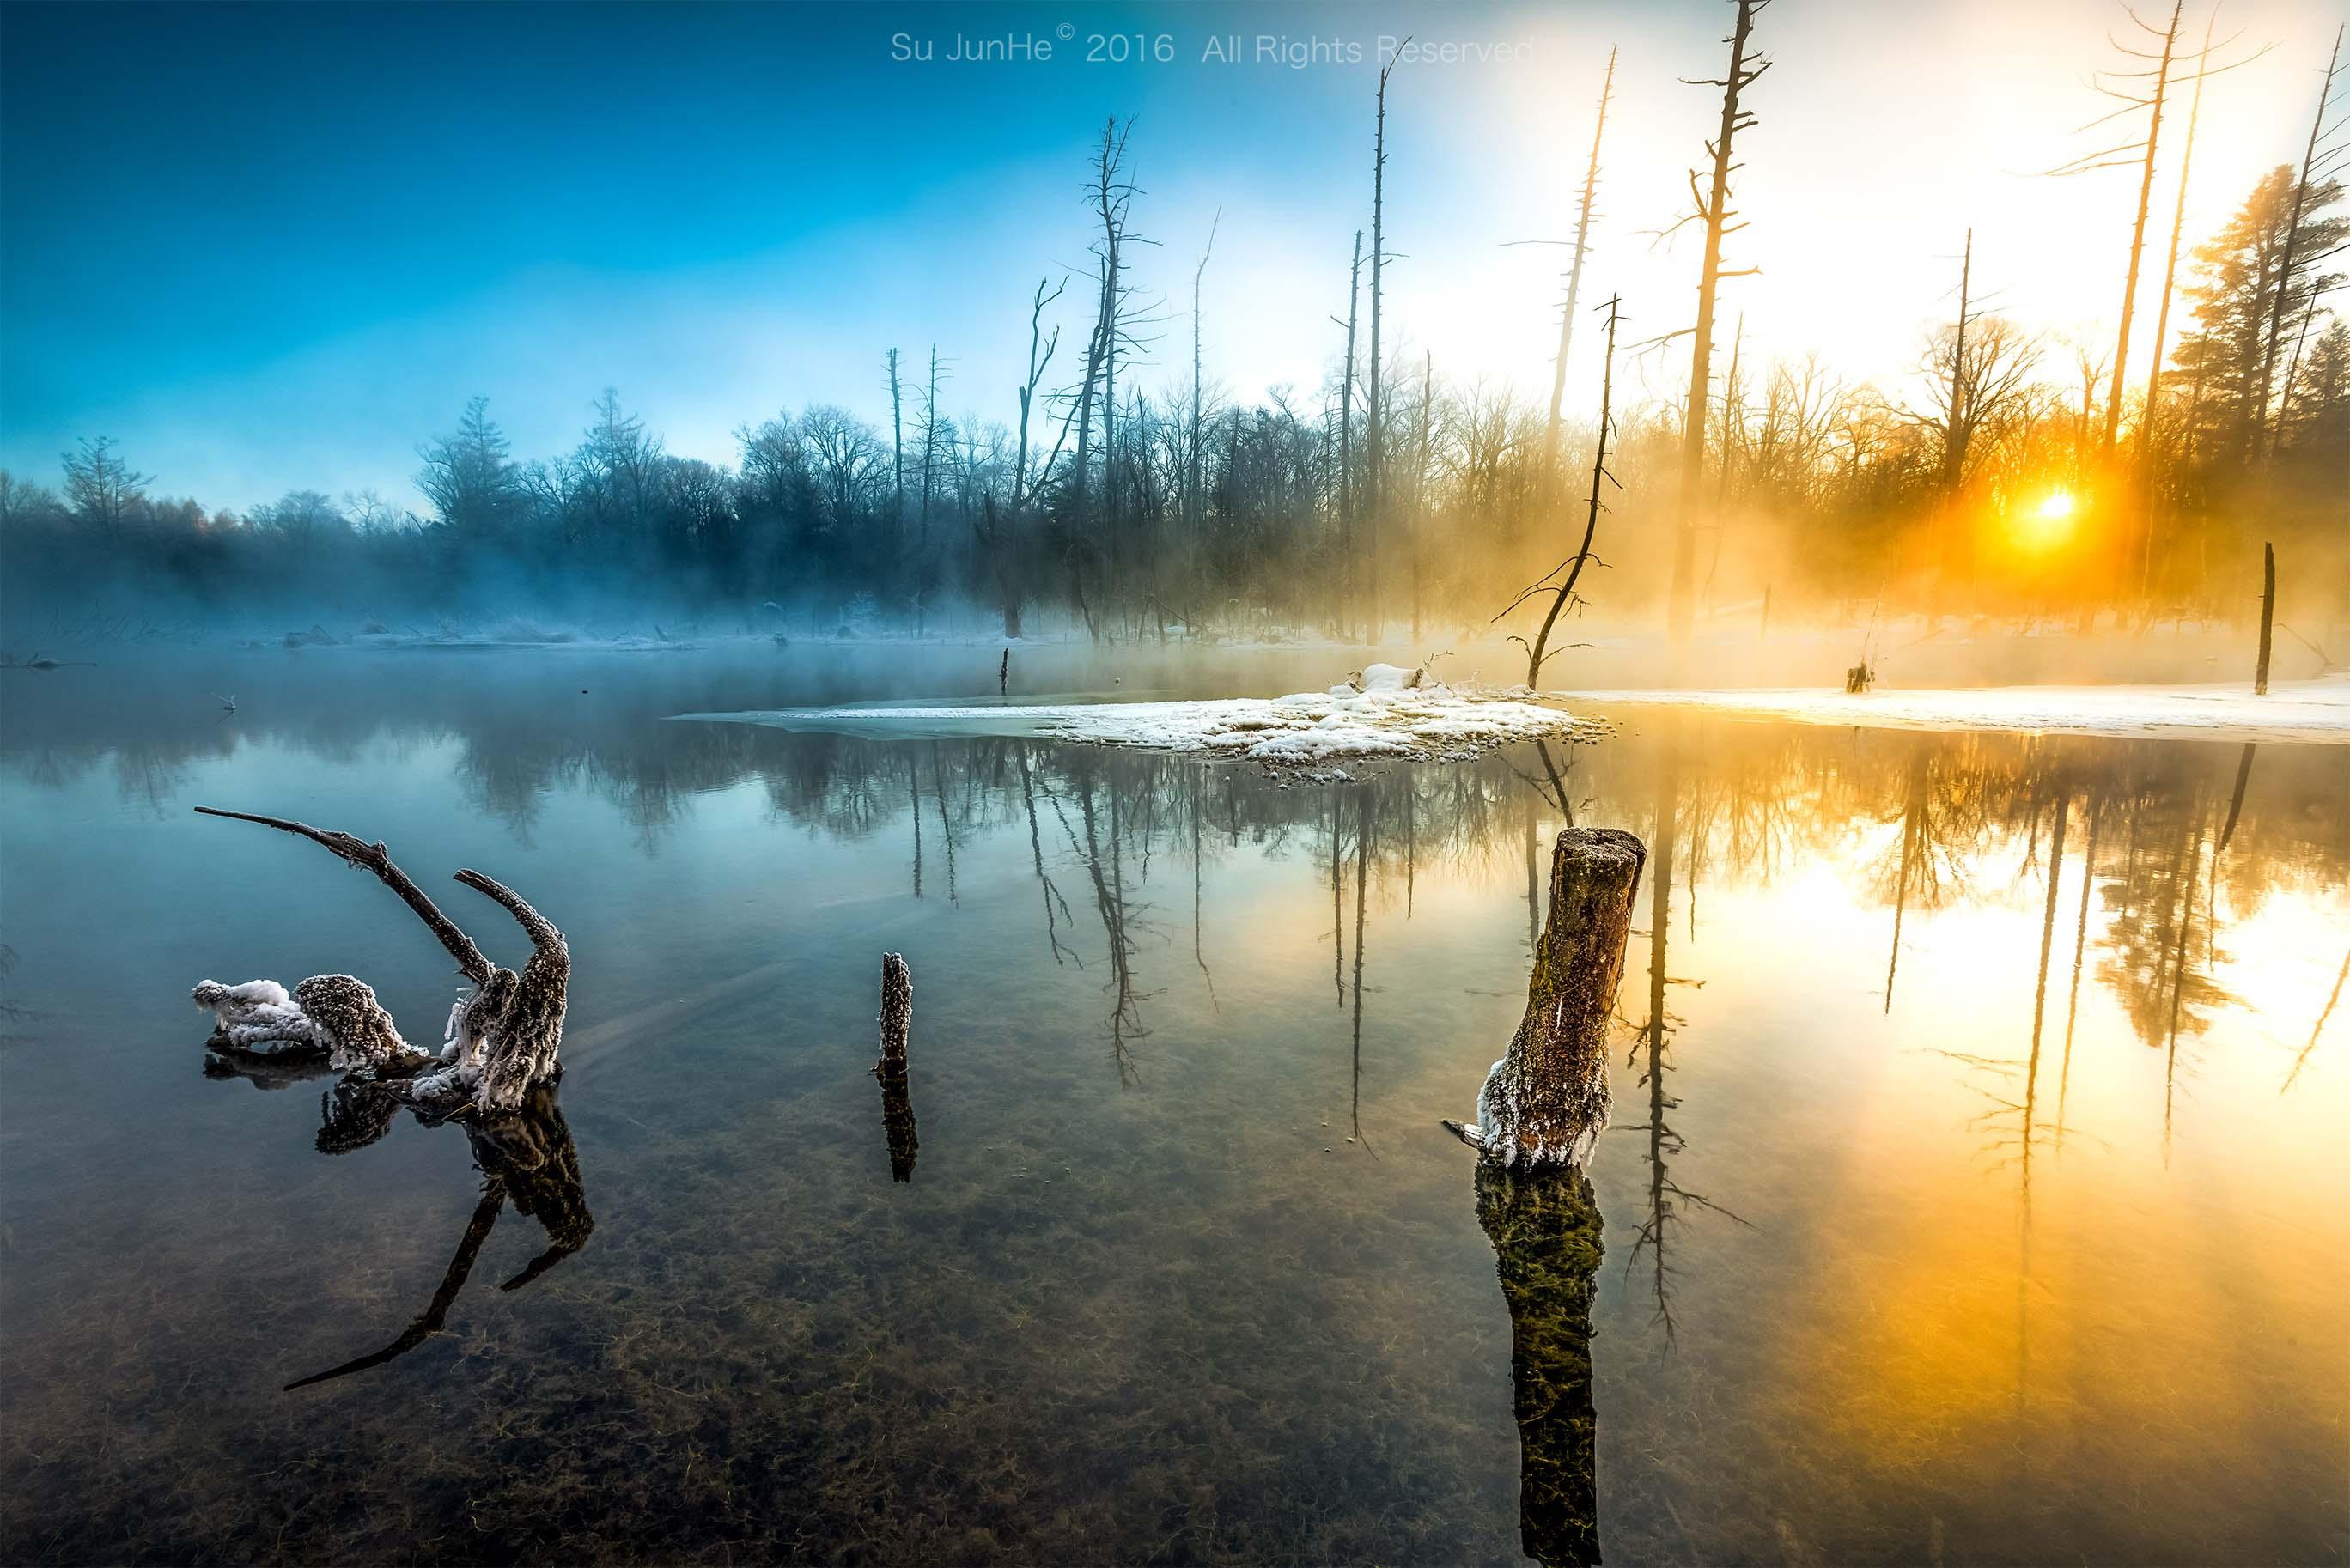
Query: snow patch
pixel 2316 711
pixel 1385 718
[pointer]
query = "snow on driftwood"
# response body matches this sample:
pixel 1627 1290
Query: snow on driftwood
pixel 2315 712
pixel 1377 714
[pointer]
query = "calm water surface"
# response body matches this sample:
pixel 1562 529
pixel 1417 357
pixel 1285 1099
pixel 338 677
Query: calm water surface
pixel 1977 1191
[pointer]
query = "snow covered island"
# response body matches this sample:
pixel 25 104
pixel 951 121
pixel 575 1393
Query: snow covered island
pixel 1382 712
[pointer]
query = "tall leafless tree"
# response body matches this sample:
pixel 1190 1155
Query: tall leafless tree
pixel 1346 487
pixel 1584 215
pixel 2301 194
pixel 1377 432
pixel 1714 211
pixel 1573 567
pixel 2147 420
pixel 1194 510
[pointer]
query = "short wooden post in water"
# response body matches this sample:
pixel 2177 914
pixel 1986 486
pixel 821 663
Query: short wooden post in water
pixel 2268 616
pixel 1003 675
pixel 896 1104
pixel 1546 1100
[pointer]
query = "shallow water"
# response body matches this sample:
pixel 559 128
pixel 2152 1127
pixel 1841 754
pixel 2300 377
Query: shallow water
pixel 1949 1214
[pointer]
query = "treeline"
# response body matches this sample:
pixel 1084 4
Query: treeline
pixel 1990 484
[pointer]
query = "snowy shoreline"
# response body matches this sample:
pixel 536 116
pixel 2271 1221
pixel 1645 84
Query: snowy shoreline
pixel 1384 717
pixel 2304 712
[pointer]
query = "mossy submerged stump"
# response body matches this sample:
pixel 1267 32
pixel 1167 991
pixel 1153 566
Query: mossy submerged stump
pixel 1545 1231
pixel 1546 1101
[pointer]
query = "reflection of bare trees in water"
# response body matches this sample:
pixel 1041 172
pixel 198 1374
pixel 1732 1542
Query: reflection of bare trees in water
pixel 526 1158
pixel 2012 1121
pixel 1363 831
pixel 2161 942
pixel 1669 1201
pixel 1337 905
pixel 2331 1001
pixel 1746 800
pixel 1052 894
pixel 946 828
pixel 1927 865
pixel 1118 917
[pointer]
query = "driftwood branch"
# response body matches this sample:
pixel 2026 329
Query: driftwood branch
pixel 1546 1100
pixel 505 1038
pixel 372 857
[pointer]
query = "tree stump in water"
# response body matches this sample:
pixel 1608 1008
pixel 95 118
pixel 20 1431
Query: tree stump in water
pixel 896 1105
pixel 504 1039
pixel 1545 1232
pixel 1546 1100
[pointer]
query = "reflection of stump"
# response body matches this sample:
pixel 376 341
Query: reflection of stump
pixel 897 1106
pixel 263 1070
pixel 355 1113
pixel 1545 1231
pixel 1546 1100
pixel 526 1156
pixel 532 1152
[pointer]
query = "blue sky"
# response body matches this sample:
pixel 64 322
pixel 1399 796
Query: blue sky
pixel 277 246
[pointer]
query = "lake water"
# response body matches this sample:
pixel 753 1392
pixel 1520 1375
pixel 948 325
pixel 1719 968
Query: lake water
pixel 1977 1191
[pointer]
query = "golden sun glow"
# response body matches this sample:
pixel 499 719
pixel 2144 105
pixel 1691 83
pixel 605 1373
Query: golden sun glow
pixel 2044 523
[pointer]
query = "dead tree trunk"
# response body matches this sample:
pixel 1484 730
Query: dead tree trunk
pixel 897 445
pixel 1378 432
pixel 1958 426
pixel 1535 654
pixel 2301 192
pixel 2268 617
pixel 1546 1100
pixel 1581 251
pixel 897 1106
pixel 2148 453
pixel 1713 210
pixel 2137 229
pixel 1194 508
pixel 506 1037
pixel 1347 424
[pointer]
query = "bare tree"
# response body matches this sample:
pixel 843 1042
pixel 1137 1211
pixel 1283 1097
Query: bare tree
pixel 103 489
pixel 1954 429
pixel 1981 373
pixel 1347 415
pixel 1193 510
pixel 1378 424
pixel 2121 85
pixel 897 442
pixel 1581 251
pixel 1713 210
pixel 1574 565
pixel 2148 450
pixel 2301 194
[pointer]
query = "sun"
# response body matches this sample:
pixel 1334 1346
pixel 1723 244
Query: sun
pixel 2046 522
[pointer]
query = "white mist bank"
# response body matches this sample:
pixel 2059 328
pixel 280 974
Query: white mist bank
pixel 2312 712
